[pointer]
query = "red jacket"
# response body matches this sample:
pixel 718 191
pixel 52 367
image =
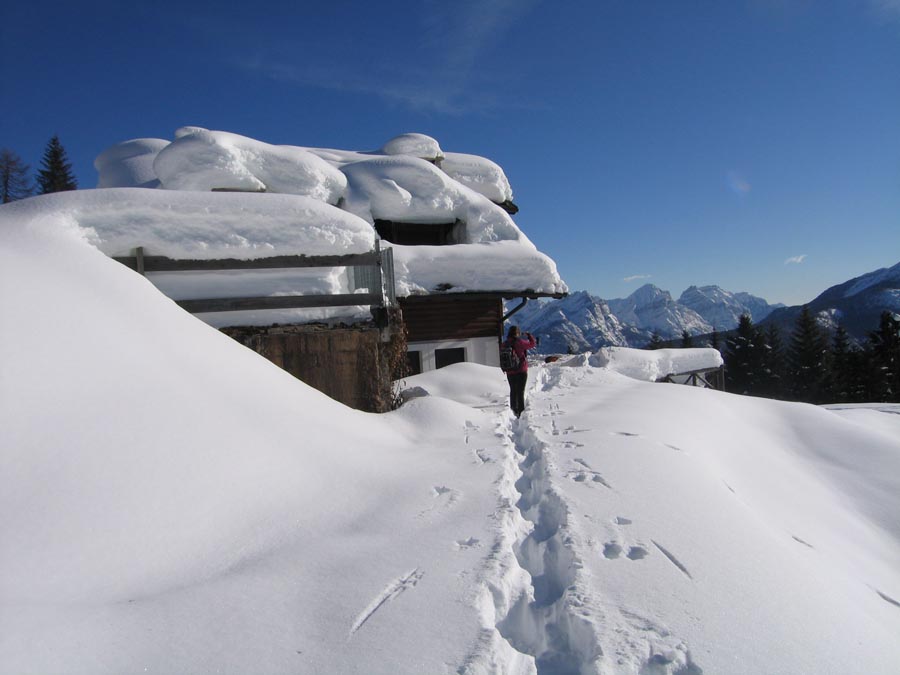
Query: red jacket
pixel 521 346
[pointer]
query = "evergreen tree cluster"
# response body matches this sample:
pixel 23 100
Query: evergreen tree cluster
pixel 55 174
pixel 812 366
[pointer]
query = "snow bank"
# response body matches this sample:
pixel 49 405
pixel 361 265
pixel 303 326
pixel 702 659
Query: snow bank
pixel 199 159
pixel 173 502
pixel 467 383
pixel 685 530
pixel 652 365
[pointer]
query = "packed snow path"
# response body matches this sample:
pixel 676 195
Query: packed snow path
pixel 558 622
pixel 638 545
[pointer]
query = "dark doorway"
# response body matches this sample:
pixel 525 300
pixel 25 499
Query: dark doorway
pixel 419 234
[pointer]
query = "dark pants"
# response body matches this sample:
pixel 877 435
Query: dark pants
pixel 517 383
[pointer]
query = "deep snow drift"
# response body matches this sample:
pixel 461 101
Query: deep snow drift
pixel 172 502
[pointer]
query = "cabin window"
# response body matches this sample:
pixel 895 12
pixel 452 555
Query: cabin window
pixel 421 234
pixel 413 363
pixel 446 357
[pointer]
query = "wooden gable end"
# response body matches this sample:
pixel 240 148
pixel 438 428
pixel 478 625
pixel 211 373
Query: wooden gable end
pixel 431 318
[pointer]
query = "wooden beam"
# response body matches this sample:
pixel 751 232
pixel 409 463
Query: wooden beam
pixel 156 263
pixel 278 302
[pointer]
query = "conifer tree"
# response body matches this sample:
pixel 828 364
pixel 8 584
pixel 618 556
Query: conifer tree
pixel 14 181
pixel 656 341
pixel 846 369
pixel 686 340
pixel 744 355
pixel 884 349
pixel 806 360
pixel 772 383
pixel 56 174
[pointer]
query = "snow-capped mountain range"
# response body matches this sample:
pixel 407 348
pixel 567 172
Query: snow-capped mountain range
pixel 584 322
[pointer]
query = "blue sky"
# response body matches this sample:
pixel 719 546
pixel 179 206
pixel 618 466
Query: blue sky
pixel 753 144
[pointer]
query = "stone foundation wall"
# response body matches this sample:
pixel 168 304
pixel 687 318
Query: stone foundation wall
pixel 349 364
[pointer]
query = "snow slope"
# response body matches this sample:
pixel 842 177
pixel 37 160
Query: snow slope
pixel 172 502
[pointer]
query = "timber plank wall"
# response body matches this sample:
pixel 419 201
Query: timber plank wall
pixel 347 364
pixel 452 317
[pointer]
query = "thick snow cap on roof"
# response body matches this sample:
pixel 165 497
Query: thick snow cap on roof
pixel 412 190
pixel 202 225
pixel 478 173
pixel 402 182
pixel 417 145
pixel 199 159
pixel 129 164
pixel 651 365
pixel 494 266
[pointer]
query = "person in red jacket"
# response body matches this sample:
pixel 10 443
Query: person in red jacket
pixel 518 377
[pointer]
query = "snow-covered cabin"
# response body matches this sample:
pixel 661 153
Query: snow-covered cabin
pixel 445 217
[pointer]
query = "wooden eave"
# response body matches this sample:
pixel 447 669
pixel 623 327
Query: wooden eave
pixel 473 295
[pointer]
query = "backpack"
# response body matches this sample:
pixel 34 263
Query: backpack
pixel 509 360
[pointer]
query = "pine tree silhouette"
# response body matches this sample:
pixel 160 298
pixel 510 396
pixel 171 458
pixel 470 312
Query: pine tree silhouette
pixel 56 174
pixel 744 353
pixel 807 360
pixel 884 349
pixel 772 384
pixel 847 369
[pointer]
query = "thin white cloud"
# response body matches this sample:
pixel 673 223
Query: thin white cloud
pixel 450 78
pixel 888 9
pixel 636 277
pixel 795 260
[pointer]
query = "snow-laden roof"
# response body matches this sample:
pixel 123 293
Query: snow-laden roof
pixel 317 201
pixel 501 266
pixel 417 145
pixel 409 189
pixel 478 173
pixel 129 164
pixel 199 159
pixel 200 225
pixel 207 226
pixel 652 365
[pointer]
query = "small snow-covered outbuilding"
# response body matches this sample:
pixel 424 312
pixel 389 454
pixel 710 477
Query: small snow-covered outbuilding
pixel 448 252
